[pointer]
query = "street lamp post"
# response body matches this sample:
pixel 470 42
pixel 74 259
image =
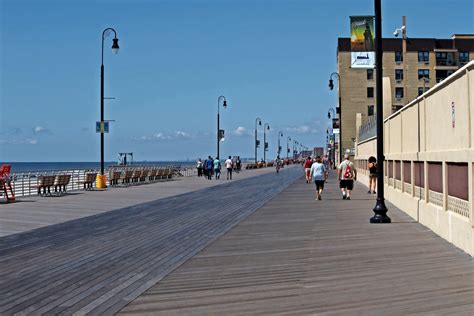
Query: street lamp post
pixel 295 151
pixel 380 209
pixel 288 140
pixel 258 122
pixel 280 134
pixel 331 87
pixel 115 48
pixel 265 144
pixel 219 134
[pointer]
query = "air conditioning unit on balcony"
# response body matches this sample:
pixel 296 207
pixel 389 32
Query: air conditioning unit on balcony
pixel 427 62
pixel 398 62
pixel 399 80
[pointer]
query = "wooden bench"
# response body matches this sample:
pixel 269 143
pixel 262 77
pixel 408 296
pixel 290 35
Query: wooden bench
pixel 144 175
pixel 89 180
pixel 127 176
pixel 152 174
pixel 114 177
pixel 136 175
pixel 44 185
pixel 61 182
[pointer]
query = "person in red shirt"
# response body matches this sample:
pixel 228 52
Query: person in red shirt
pixel 307 169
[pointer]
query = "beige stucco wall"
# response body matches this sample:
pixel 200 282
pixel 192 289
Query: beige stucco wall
pixel 423 131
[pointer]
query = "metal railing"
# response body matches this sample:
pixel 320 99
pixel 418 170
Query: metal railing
pixel 26 183
pixel 368 129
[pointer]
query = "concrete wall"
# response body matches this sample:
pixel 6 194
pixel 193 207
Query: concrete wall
pixel 427 131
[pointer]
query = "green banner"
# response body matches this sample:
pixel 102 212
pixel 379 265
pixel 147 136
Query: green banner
pixel 362 34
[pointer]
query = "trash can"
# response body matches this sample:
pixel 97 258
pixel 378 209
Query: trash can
pixel 100 181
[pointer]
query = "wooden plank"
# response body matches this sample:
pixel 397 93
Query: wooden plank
pixel 296 255
pixel 102 262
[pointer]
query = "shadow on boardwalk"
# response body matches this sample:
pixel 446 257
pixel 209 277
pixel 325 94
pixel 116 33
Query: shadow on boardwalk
pixel 296 255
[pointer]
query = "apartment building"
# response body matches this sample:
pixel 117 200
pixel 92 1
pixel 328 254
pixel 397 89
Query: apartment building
pixel 424 63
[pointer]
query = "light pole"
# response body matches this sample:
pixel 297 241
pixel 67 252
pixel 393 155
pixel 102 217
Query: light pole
pixel 258 122
pixel 380 209
pixel 220 134
pixel 115 49
pixel 265 144
pixel 333 145
pixel 295 151
pixel 331 87
pixel 280 134
pixel 288 140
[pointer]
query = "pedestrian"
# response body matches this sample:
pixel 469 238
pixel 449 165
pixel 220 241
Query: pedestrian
pixel 229 164
pixel 199 167
pixel 307 169
pixel 209 164
pixel 217 168
pixel 372 166
pixel 319 174
pixel 325 161
pixel 278 164
pixel 346 174
pixel 238 164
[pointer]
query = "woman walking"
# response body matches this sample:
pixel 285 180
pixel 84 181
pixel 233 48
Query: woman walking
pixel 199 167
pixel 372 166
pixel 307 169
pixel 319 174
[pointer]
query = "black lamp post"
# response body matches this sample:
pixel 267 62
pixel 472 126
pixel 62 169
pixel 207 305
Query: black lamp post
pixel 258 121
pixel 220 134
pixel 266 127
pixel 331 87
pixel 295 151
pixel 288 140
pixel 115 49
pixel 380 209
pixel 280 134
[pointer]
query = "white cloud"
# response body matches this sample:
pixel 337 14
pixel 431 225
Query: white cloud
pixel 41 130
pixel 162 136
pixel 240 131
pixel 19 141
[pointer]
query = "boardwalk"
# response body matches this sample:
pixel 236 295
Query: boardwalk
pixel 35 212
pixel 99 263
pixel 299 256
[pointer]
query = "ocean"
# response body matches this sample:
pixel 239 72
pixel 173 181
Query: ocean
pixel 20 167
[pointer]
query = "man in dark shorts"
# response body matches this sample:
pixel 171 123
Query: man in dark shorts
pixel 346 174
pixel 319 175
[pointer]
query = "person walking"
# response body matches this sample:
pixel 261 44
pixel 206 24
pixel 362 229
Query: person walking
pixel 307 169
pixel 229 164
pixel 209 164
pixel 278 164
pixel 319 174
pixel 238 164
pixel 199 167
pixel 372 166
pixel 217 168
pixel 346 174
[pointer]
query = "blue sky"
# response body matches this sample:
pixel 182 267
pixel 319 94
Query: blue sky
pixel 271 59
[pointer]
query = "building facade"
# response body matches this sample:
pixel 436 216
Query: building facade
pixel 424 63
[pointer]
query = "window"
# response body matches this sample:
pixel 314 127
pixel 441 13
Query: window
pixel 398 57
pixel 370 110
pixel 423 73
pixel 420 90
pixel 463 57
pixel 398 74
pixel 398 93
pixel 424 56
pixel 370 92
pixel 370 74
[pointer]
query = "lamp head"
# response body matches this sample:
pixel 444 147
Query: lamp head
pixel 329 114
pixel 115 46
pixel 268 127
pixel 331 84
pixel 224 104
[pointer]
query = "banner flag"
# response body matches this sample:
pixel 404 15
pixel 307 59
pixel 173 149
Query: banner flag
pixel 362 42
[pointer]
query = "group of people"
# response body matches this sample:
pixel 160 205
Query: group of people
pixel 317 171
pixel 212 167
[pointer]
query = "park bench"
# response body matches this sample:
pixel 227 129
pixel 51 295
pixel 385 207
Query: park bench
pixel 114 177
pixel 152 174
pixel 89 180
pixel 44 185
pixel 144 174
pixel 160 173
pixel 136 175
pixel 61 182
pixel 127 176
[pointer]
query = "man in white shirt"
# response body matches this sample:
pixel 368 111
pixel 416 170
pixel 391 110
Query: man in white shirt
pixel 229 164
pixel 346 174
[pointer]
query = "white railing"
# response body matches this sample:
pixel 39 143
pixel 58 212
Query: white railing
pixel 435 198
pixel 458 206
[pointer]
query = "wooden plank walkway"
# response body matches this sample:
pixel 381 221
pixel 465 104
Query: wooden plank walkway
pixel 100 263
pixel 35 212
pixel 298 256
